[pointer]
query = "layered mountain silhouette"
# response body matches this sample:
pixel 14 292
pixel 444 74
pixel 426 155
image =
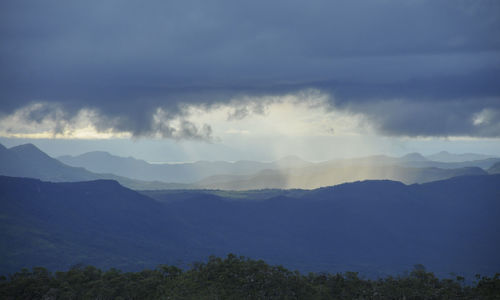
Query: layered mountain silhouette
pixel 375 227
pixel 103 162
pixel 28 161
pixel 445 156
pixel 290 172
pixel 330 174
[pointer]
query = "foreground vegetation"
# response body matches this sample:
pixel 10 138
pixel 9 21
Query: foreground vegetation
pixel 236 278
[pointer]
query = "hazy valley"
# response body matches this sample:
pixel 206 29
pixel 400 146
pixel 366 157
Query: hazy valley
pixel 250 149
pixel 441 214
pixel 289 172
pixel 374 227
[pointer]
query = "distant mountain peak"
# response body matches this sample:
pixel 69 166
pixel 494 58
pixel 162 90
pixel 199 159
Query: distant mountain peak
pixel 414 156
pixel 28 149
pixel 99 152
pixel 96 153
pixel 26 146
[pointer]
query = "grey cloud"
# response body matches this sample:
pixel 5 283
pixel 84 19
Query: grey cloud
pixel 42 112
pixel 238 113
pixel 125 59
pixel 245 108
pixel 191 131
pixel 186 130
pixel 452 118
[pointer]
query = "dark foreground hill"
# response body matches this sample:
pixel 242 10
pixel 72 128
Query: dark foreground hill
pixel 375 227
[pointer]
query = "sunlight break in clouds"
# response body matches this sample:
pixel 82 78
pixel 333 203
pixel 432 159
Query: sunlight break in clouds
pixel 41 120
pixel 303 114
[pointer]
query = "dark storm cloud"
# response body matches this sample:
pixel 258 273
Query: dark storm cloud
pixel 127 58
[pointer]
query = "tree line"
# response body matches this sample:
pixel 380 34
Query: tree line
pixel 236 277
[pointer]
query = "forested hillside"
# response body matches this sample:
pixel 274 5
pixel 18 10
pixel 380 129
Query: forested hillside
pixel 238 278
pixel 374 227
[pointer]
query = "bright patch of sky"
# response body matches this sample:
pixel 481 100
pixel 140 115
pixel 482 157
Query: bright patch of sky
pixel 265 128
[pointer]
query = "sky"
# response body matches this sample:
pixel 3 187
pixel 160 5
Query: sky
pixel 230 80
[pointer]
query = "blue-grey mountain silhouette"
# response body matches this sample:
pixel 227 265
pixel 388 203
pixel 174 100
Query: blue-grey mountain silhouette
pixel 376 227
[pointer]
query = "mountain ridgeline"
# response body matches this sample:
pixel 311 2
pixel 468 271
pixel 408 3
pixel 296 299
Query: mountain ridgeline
pixel 29 161
pixel 288 173
pixel 441 214
pixel 374 227
pixel 103 162
pixel 291 172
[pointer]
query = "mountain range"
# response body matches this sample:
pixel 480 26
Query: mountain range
pixel 331 174
pixel 290 172
pixel 28 161
pixel 103 162
pixel 445 156
pixel 374 227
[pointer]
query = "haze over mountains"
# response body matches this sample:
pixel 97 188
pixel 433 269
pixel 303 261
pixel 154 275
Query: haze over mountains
pixel 228 90
pixel 290 172
pixel 445 156
pixel 376 227
pixel 103 162
pixel 28 161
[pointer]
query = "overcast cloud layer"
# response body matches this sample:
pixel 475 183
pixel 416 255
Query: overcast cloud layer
pixel 413 68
